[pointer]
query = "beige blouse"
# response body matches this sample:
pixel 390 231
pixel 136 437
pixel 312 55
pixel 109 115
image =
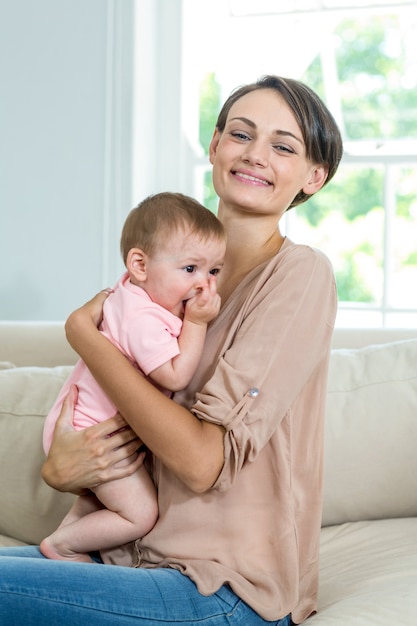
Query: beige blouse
pixel 263 377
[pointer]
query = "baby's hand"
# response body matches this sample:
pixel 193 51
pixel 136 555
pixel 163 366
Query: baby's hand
pixel 205 305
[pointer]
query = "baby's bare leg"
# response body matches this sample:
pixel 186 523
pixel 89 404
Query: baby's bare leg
pixel 131 511
pixel 83 505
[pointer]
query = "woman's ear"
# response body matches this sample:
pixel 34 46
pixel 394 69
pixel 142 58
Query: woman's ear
pixel 213 145
pixel 318 177
pixel 136 264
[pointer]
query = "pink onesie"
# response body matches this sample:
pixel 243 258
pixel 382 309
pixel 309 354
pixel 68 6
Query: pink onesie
pixel 144 331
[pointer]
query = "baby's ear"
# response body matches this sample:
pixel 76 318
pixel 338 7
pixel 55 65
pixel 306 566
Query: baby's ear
pixel 136 264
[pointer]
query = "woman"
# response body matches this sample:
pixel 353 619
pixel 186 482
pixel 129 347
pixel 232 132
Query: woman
pixel 238 456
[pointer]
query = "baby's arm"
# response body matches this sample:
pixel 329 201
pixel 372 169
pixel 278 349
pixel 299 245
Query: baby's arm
pixel 199 311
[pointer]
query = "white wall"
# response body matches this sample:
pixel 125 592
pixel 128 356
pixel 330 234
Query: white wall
pixel 65 151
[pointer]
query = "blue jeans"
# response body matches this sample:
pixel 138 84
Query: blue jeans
pixel 34 590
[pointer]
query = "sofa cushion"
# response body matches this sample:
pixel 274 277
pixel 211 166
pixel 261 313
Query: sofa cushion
pixel 371 434
pixel 29 509
pixel 6 365
pixel 368 574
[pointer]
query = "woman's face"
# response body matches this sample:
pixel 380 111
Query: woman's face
pixel 259 161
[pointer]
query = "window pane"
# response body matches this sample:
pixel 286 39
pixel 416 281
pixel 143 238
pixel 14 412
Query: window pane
pixel 346 221
pixel 372 85
pixel 402 276
pixel 377 76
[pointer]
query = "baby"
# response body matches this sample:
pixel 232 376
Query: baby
pixel 173 248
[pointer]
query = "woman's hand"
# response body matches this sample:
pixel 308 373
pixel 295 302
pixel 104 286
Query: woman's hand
pixel 83 459
pixel 89 313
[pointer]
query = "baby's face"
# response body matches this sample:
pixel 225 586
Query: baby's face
pixel 181 268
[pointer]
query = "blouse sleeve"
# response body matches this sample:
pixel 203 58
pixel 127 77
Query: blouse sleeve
pixel 283 335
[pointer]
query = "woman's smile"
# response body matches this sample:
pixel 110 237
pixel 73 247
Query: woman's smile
pixel 251 178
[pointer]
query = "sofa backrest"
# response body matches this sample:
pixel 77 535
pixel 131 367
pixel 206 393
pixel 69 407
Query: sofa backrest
pixel 35 343
pixel 44 343
pixel 370 433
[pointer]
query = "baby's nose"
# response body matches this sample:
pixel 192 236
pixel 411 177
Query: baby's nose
pixel 201 283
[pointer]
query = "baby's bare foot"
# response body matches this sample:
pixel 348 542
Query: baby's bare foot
pixel 51 551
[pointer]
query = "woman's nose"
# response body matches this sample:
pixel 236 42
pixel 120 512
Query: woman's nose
pixel 256 153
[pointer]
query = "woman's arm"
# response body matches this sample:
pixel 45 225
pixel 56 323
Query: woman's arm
pixel 189 447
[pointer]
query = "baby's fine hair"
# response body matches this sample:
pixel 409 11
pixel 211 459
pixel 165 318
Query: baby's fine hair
pixel 155 219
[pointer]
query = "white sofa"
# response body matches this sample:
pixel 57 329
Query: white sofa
pixel 368 573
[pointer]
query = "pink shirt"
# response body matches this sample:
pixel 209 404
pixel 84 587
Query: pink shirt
pixel 258 528
pixel 147 335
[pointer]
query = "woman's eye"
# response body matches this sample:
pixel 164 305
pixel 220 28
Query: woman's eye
pixel 282 148
pixel 189 269
pixel 240 135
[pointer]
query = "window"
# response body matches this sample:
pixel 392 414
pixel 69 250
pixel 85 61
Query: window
pixel 361 57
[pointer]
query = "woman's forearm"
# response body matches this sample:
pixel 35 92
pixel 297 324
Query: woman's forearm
pixel 191 448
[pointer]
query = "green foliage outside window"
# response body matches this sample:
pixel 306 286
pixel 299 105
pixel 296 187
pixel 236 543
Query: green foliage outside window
pixel 377 87
pixel 378 100
pixel 209 109
pixel 372 66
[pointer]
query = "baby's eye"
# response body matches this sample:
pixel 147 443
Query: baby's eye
pixel 214 271
pixel 190 268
